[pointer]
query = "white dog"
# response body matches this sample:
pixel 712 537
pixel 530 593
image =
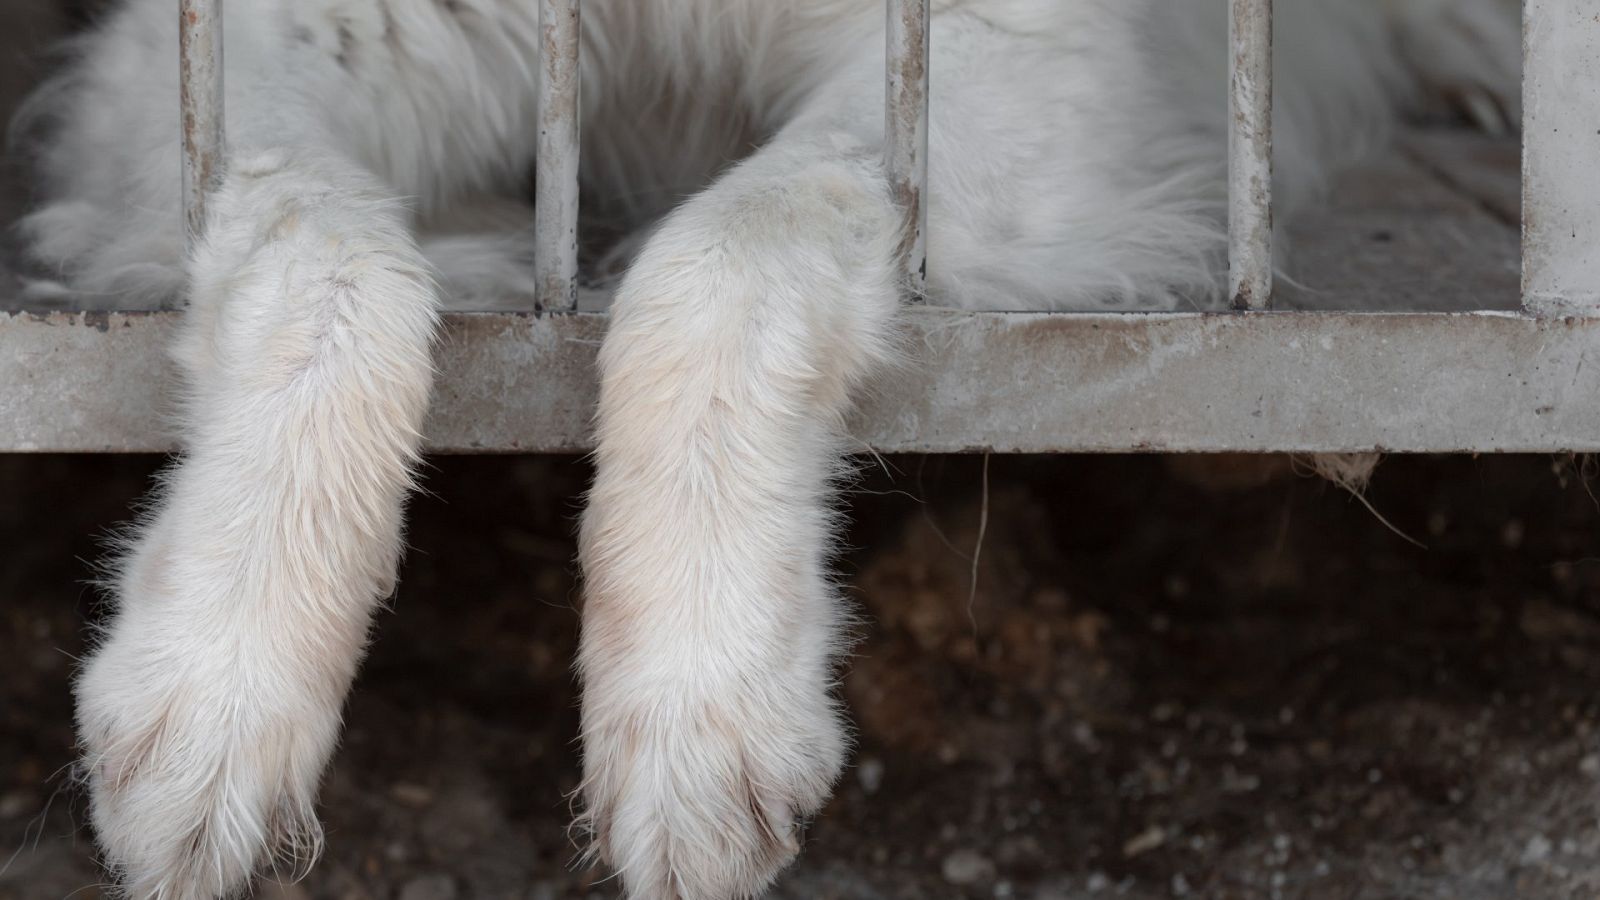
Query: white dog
pixel 378 148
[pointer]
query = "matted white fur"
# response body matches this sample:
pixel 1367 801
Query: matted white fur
pixel 1077 162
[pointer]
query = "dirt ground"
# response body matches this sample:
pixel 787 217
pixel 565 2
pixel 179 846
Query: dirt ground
pixel 1172 680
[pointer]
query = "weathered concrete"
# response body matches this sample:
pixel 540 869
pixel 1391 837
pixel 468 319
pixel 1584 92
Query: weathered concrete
pixel 1007 382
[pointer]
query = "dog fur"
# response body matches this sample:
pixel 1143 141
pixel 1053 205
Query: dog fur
pixel 378 153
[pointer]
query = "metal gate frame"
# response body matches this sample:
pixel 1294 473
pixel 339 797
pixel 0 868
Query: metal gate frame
pixel 1250 380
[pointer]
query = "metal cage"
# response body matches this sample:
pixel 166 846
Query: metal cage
pixel 1247 380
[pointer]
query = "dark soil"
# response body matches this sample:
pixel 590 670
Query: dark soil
pixel 1204 677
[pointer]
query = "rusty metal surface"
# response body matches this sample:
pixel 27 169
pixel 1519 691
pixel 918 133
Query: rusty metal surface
pixel 1561 157
pixel 556 163
pixel 200 98
pixel 906 129
pixel 1008 382
pixel 1250 154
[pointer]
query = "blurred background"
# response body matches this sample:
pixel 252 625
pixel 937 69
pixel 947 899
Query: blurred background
pixel 1212 677
pixel 1207 676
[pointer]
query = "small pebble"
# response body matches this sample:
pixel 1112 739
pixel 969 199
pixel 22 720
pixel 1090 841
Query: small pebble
pixel 411 794
pixel 967 867
pixel 870 773
pixel 1537 850
pixel 1144 842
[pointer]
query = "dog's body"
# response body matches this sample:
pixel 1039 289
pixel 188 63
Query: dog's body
pixel 1077 161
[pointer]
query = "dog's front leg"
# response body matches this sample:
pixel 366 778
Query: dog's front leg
pixel 710 622
pixel 210 708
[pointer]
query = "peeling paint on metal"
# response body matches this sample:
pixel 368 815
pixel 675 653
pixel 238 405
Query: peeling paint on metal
pixel 1250 154
pixel 906 130
pixel 200 98
pixel 557 157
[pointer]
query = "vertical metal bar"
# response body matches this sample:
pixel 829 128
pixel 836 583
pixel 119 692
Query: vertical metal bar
pixel 200 104
pixel 1561 144
pixel 556 165
pixel 906 130
pixel 1250 154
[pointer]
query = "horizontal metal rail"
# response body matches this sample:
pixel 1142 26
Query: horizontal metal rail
pixel 1023 382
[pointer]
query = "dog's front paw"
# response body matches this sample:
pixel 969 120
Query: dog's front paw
pixel 696 782
pixel 201 758
pixel 1466 56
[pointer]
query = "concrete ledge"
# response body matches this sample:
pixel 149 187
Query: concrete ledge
pixel 1006 382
